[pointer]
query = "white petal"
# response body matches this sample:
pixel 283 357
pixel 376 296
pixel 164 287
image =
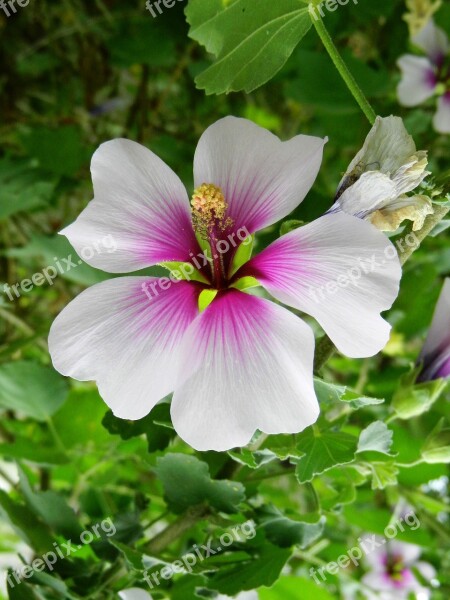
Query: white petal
pixel 433 40
pixel 418 81
pixel 114 334
pixel 253 364
pixel 413 208
pixel 262 178
pixel 339 269
pixel 140 205
pixel 441 121
pixel 134 594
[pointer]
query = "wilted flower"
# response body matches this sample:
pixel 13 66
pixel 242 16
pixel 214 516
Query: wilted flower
pixel 435 355
pixel 384 171
pixel 419 13
pixel 392 572
pixel 423 78
pixel 243 363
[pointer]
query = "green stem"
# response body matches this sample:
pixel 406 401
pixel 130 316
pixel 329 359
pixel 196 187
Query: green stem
pixel 340 65
pixel 176 529
pixel 324 351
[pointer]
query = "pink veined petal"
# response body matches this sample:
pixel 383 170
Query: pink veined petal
pixel 140 208
pixel 433 40
pixel 339 269
pixel 262 178
pixel 441 120
pixel 435 353
pixel 252 365
pixel 418 81
pixel 114 334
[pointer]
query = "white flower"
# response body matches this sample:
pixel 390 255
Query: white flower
pixel 384 171
pixel 391 575
pixel 424 77
pixel 242 363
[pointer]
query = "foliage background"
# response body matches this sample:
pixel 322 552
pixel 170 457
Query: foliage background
pixel 77 73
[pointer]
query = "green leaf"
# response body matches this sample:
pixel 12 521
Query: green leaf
pixel 436 449
pixel 72 424
pixel 383 474
pixel 253 460
pixel 158 435
pixel 51 508
pixel 33 452
pixel 251 53
pixel 377 438
pixel 133 558
pixel 331 393
pixel 30 529
pixel 187 482
pixel 285 532
pixel 32 389
pixel 323 451
pixel 263 569
pixel 414 400
pixel 295 588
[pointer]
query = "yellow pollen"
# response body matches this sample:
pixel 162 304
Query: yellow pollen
pixel 208 210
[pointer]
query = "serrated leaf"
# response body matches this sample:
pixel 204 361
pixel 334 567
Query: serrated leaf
pixel 376 437
pixel 322 451
pixel 383 474
pixel 158 436
pixel 284 532
pixel 187 482
pixel 263 569
pixel 250 54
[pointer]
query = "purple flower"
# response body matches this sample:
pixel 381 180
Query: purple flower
pixel 391 575
pixel 435 354
pixel 243 363
pixel 423 77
